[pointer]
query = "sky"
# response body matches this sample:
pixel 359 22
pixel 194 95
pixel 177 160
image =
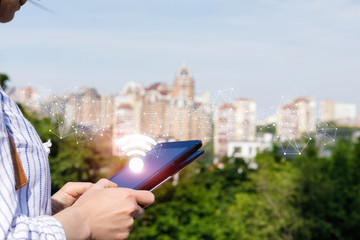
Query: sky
pixel 261 49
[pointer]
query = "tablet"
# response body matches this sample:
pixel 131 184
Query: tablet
pixel 159 163
pixel 189 160
pixel 181 167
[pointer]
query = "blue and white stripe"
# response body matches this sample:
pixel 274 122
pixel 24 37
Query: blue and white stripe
pixel 25 213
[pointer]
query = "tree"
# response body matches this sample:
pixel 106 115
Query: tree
pixel 270 128
pixel 329 194
pixel 264 208
pixel 70 161
pixel 3 81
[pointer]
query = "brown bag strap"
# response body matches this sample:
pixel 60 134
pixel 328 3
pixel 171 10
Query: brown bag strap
pixel 20 177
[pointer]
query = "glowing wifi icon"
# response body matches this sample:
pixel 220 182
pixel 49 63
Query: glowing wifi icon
pixel 135 147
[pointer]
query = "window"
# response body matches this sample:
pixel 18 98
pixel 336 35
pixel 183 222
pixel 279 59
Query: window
pixel 237 149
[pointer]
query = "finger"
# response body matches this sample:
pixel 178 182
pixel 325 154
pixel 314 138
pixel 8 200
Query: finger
pixel 76 189
pixel 97 186
pixel 144 198
pixel 139 212
pixel 105 183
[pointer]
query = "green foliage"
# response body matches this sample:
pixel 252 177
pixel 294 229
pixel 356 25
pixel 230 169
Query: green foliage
pixel 206 160
pixel 329 200
pixel 68 167
pixel 3 80
pixel 305 198
pixel 270 128
pixel 263 210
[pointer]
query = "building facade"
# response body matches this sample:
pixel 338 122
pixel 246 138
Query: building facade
pixel 235 121
pixel 28 97
pixel 345 114
pixel 296 119
pixel 165 112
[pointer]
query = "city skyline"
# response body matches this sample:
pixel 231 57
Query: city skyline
pixel 174 112
pixel 223 96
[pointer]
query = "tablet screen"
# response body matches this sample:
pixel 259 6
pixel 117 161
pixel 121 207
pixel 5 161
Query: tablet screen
pixel 155 160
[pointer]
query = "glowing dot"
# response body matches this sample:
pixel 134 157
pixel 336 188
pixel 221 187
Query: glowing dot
pixel 136 165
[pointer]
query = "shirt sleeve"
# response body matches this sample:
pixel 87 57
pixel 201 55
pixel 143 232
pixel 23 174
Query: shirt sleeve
pixel 43 227
pixel 13 223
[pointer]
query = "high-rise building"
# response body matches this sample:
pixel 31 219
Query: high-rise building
pixel 127 113
pixel 125 120
pixel 339 112
pixel 83 109
pixel 234 122
pixel 166 112
pixel 326 111
pixel 202 118
pixel 106 112
pixel 155 111
pixel 245 119
pixel 53 106
pixel 224 128
pixel 28 97
pixel 296 119
pixel 183 89
pixel 190 115
pixel 181 105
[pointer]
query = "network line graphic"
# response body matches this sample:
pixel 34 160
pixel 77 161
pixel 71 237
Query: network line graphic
pixel 83 114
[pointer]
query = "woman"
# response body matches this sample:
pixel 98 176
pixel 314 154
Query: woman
pixel 81 210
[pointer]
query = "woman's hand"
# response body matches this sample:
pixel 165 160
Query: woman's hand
pixel 104 213
pixel 71 191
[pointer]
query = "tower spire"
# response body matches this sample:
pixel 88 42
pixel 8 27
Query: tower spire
pixel 184 84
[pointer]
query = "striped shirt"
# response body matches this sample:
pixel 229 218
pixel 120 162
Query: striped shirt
pixel 24 213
